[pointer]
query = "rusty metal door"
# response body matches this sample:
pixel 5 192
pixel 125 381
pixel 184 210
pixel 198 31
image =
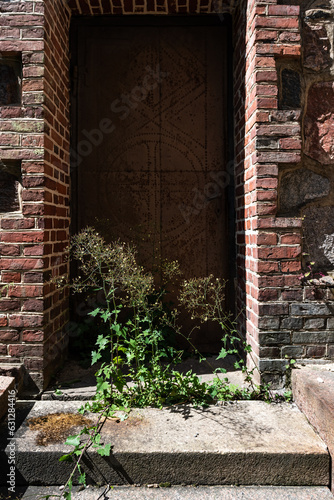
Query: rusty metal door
pixel 150 143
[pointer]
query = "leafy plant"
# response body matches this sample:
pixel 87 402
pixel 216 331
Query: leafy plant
pixel 137 362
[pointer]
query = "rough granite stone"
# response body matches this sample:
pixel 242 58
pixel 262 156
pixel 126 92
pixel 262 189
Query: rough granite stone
pixel 319 123
pixel 316 45
pixel 318 226
pixel 299 187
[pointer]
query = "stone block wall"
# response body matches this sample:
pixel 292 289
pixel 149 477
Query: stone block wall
pixel 284 153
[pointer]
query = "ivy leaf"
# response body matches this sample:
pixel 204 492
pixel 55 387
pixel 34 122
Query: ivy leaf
pixel 116 328
pixel 95 312
pixel 105 316
pixel 222 354
pixel 95 357
pixel 105 451
pixel 102 342
pixel 102 385
pixel 73 440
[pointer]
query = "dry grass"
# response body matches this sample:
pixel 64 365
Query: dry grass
pixel 56 427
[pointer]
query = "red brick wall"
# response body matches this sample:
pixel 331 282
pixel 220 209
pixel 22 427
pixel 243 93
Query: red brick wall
pixel 282 318
pixel 272 245
pixel 56 177
pixel 37 133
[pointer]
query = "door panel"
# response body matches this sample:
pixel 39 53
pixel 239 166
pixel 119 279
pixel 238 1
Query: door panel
pixel 154 179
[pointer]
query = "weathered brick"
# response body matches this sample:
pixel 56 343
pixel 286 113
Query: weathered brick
pixel 269 323
pixel 9 336
pixel 271 365
pixel 290 239
pixel 25 350
pixel 291 266
pixel 32 33
pixel 283 10
pixel 33 277
pixel 292 295
pixel 29 209
pixel 24 321
pixel 279 252
pixel 33 305
pixel 9 250
pixel 330 323
pixel 32 336
pixel 315 351
pixel 34 364
pixel 276 22
pixel 3 320
pixel 17 223
pixel 9 305
pixel 275 309
pixel 23 237
pixel 24 264
pixel 312 337
pixel 267 294
pixel 292 352
pixel 34 250
pixel 291 323
pixel 270 352
pixel 309 309
pixel 24 291
pixel 10 277
pixel 315 324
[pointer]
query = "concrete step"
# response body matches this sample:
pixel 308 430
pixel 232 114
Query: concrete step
pixel 313 390
pixel 240 443
pixel 187 493
pixel 83 387
pixel 6 384
pixel 15 370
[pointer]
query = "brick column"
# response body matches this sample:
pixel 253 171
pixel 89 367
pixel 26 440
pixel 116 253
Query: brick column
pixel 269 246
pixel 35 135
